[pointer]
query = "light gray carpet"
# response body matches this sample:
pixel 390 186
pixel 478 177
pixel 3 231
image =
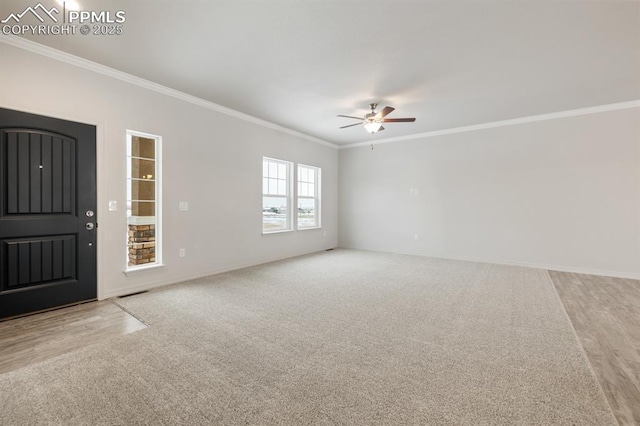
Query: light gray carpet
pixel 342 337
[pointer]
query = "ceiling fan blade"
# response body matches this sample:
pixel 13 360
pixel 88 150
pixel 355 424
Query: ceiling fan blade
pixel 351 125
pixel 398 120
pixel 351 116
pixel 386 110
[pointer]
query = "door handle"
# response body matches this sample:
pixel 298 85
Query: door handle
pixel 89 226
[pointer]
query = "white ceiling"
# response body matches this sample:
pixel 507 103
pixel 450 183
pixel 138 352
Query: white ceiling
pixel 449 63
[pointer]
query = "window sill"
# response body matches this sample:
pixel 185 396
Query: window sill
pixel 134 271
pixel 310 228
pixel 277 232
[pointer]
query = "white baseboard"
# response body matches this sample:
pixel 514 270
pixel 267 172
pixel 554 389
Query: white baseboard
pixel 561 268
pixel 232 267
pixel 117 292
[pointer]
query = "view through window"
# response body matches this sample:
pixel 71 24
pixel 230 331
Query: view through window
pixel 308 197
pixel 276 195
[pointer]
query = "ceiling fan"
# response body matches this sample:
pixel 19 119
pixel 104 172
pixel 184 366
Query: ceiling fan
pixel 373 121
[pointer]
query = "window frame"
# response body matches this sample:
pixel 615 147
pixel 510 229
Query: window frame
pixel 316 197
pixel 289 194
pixel 158 197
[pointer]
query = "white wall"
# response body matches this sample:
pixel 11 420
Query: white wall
pixel 561 194
pixel 210 159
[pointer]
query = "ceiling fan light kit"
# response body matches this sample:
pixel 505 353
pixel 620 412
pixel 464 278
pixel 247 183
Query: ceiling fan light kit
pixel 372 127
pixel 373 121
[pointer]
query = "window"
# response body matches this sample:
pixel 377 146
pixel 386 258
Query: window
pixel 308 197
pixel 143 200
pixel 276 195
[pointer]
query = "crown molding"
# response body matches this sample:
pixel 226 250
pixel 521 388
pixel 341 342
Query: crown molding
pixel 503 123
pixel 140 82
pixel 77 61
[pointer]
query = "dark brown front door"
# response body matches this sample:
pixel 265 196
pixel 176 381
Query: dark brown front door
pixel 47 212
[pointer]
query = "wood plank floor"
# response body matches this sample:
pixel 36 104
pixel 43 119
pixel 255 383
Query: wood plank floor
pixel 35 338
pixel 605 313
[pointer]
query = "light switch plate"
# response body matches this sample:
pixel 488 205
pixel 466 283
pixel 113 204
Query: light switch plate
pixel 113 206
pixel 184 206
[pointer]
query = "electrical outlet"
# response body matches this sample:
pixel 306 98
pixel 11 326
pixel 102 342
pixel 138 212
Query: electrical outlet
pixel 182 253
pixel 416 237
pixel 184 206
pixel 113 206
